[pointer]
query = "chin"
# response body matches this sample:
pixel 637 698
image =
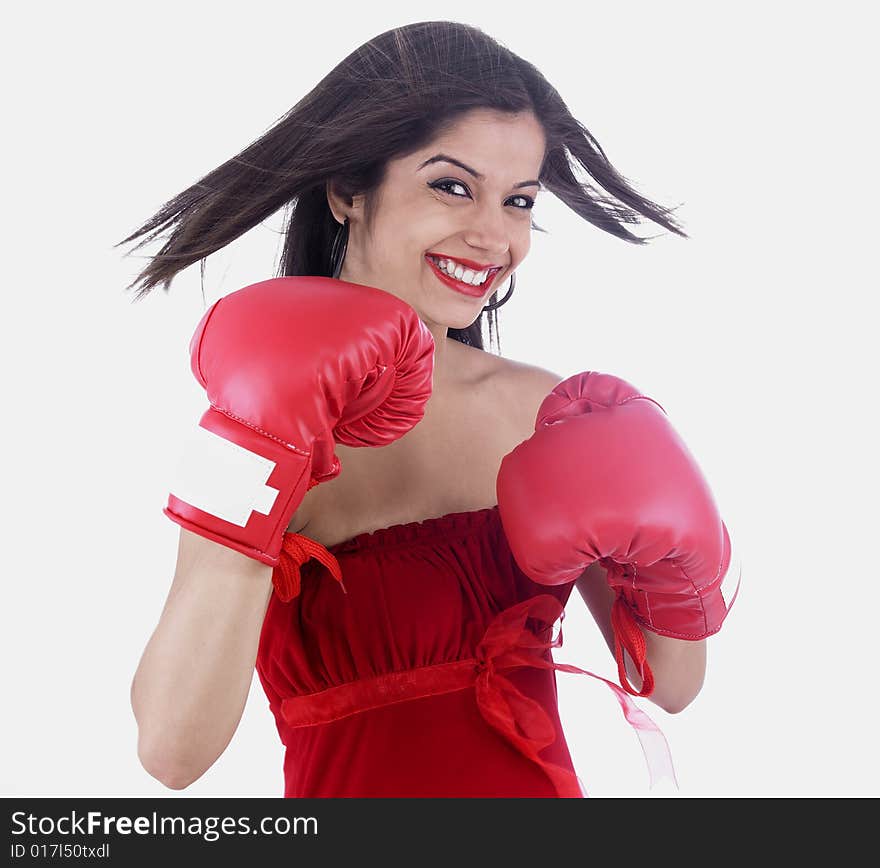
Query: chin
pixel 458 320
pixel 465 324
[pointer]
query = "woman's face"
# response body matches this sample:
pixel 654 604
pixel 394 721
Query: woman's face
pixel 480 214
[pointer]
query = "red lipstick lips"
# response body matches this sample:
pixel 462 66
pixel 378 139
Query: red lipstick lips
pixel 458 285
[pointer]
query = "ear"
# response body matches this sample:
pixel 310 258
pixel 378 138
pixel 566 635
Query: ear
pixel 342 204
pixel 335 202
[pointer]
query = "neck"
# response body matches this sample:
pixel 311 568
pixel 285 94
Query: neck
pixel 442 354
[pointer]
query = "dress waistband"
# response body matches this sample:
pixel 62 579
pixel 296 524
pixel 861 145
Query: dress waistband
pixel 506 644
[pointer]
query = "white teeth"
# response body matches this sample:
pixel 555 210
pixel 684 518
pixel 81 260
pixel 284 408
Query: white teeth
pixel 459 272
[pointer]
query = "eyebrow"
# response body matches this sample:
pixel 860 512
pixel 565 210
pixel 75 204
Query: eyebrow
pixel 445 158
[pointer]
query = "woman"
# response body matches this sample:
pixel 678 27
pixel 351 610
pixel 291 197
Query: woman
pixel 412 167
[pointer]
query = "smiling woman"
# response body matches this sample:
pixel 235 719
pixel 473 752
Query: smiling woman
pixel 398 600
pixel 396 95
pixel 437 232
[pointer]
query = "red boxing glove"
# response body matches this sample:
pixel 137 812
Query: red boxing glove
pixel 606 478
pixel 293 365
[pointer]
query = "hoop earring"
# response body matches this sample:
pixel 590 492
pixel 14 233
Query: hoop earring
pixel 496 304
pixel 337 252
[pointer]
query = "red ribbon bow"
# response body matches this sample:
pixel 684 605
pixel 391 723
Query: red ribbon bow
pixel 506 644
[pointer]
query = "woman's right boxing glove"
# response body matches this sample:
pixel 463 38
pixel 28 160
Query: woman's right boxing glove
pixel 291 366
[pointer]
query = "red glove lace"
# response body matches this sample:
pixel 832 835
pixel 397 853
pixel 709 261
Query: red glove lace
pixel 296 549
pixel 628 635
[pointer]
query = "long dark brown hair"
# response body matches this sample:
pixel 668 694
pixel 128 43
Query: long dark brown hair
pixel 397 93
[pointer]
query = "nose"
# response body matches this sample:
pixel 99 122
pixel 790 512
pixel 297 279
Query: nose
pixel 489 231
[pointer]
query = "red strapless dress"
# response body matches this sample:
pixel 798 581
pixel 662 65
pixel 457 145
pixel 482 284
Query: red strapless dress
pixel 415 661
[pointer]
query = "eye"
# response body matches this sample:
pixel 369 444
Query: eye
pixel 444 186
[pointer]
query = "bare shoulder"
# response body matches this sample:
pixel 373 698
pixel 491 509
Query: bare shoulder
pixel 524 386
pixel 529 378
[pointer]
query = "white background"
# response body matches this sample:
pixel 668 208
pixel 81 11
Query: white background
pixel 756 335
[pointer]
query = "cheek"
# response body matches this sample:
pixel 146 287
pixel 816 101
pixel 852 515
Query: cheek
pixel 520 251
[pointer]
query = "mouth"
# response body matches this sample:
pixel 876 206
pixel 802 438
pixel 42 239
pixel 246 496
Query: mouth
pixel 468 289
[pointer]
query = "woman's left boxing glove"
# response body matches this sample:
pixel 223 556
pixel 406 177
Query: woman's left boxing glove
pixel 606 478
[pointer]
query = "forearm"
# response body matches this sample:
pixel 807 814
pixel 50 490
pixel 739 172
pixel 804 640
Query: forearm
pixel 190 688
pixel 679 665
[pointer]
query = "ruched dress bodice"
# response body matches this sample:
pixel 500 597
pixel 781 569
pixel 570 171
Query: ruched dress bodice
pixel 415 661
